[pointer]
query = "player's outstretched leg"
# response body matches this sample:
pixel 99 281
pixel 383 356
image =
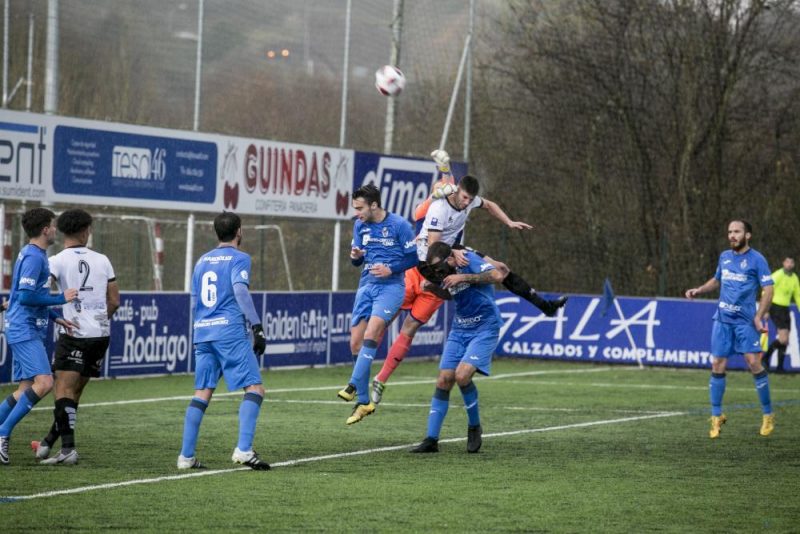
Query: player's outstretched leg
pixel 397 352
pixel 6 406
pixel 24 405
pixel 517 285
pixel 41 449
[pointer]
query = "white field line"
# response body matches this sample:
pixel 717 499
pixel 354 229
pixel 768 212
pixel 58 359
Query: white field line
pixel 428 404
pixel 288 463
pixel 636 386
pixel 431 380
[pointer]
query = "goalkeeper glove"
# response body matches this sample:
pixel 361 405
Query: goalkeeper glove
pixel 442 160
pixel 444 190
pixel 259 340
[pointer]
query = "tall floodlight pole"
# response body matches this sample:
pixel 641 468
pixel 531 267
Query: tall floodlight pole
pixel 337 229
pixel 29 77
pixel 198 65
pixel 394 59
pixel 468 96
pixel 51 61
pixel 5 52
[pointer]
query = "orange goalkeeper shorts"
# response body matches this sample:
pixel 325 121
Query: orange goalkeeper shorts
pixel 423 304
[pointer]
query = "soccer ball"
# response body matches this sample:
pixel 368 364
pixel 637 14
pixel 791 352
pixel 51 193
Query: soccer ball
pixel 389 80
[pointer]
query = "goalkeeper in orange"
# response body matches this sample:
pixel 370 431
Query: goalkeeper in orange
pixel 442 217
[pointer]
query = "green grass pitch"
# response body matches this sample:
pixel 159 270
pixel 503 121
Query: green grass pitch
pixel 567 447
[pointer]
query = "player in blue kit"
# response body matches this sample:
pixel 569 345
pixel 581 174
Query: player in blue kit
pixel 472 340
pixel 384 243
pixel 223 308
pixel 26 322
pixel 737 323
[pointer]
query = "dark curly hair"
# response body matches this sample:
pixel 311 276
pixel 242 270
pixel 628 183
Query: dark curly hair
pixel 74 221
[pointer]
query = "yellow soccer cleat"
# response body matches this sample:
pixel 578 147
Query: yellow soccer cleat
pixel 360 412
pixel 716 426
pixel 347 393
pixel 767 425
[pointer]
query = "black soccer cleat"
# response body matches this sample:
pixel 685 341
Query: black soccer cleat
pixel 550 307
pixel 427 445
pixel 474 440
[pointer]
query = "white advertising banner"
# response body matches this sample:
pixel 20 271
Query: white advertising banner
pixel 57 159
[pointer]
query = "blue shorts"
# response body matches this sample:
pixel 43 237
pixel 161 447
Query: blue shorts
pixel 733 338
pixel 474 347
pixel 379 300
pixel 232 358
pixel 30 359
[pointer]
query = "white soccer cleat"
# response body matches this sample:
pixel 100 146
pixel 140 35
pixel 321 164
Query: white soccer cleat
pixel 189 463
pixel 250 459
pixel 70 458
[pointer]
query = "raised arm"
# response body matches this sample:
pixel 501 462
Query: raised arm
pixel 498 213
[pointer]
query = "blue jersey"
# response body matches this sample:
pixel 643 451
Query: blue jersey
pixel 475 306
pixel 216 313
pixel 740 276
pixel 31 273
pixel 389 242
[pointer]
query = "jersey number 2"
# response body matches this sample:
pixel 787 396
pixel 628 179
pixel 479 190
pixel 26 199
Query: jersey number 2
pixel 83 268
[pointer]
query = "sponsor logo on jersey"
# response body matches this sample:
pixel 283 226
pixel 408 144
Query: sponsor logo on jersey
pixel 244 275
pixel 735 277
pixel 27 281
pixel 729 307
pixel 743 264
pixel 469 321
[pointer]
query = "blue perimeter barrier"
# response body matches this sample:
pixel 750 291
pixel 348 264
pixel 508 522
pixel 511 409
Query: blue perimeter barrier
pixel 151 332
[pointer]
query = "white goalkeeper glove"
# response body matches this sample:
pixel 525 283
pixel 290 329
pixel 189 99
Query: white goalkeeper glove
pixel 444 190
pixel 442 160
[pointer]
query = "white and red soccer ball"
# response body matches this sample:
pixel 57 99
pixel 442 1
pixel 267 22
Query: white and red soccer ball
pixel 389 80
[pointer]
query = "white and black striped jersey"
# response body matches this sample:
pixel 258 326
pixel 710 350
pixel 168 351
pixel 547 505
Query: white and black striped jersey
pixel 89 272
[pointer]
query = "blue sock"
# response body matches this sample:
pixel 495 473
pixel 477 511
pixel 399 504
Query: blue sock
pixel 716 389
pixel 6 407
pixel 24 405
pixel 248 415
pixel 191 425
pixel 360 378
pixel 762 388
pixel 470 394
pixel 439 405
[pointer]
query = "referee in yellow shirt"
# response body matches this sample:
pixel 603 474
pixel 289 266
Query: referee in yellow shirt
pixel 787 286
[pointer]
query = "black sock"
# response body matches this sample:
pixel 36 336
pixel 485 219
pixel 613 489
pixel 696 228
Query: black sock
pixel 781 355
pixel 53 435
pixel 66 412
pixel 517 285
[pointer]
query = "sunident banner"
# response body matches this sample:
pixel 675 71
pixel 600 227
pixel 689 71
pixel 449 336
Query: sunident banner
pixel 151 333
pixel 59 159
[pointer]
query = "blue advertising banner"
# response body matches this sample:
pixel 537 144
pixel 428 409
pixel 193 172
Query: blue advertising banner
pixel 657 332
pixel 403 182
pixel 127 165
pixel 150 334
pixel 296 326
